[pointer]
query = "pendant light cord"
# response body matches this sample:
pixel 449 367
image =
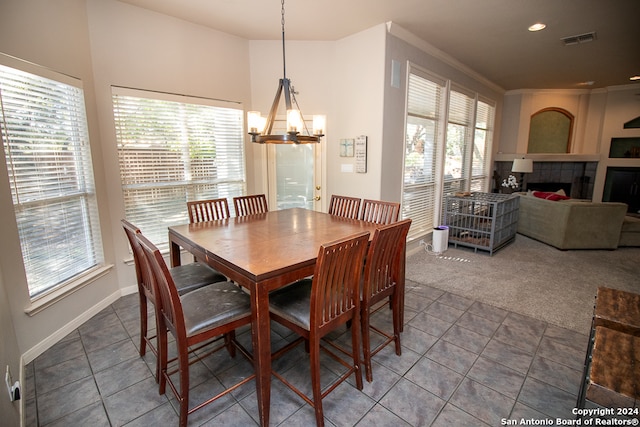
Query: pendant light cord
pixel 284 63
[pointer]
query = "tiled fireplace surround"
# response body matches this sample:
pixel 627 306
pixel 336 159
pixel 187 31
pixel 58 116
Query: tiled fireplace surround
pixel 580 175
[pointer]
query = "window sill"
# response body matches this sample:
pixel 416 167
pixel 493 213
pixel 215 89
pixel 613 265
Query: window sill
pixel 47 300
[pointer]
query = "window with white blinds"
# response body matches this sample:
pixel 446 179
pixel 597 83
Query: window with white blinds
pixel 173 149
pixel 442 155
pixel 480 167
pixel 457 166
pixel 46 146
pixel 422 148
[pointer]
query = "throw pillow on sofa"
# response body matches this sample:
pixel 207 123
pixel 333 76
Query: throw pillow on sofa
pixel 559 195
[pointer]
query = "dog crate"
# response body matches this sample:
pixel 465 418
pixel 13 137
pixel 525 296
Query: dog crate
pixel 485 221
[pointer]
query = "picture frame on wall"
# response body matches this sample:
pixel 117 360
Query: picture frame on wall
pixel 346 147
pixel 361 154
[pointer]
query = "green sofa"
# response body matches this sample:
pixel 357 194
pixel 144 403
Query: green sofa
pixel 571 224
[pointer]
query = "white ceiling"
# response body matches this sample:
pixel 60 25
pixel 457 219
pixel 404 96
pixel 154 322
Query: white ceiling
pixel 488 36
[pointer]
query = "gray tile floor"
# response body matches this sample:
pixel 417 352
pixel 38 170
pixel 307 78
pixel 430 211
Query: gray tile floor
pixel 463 363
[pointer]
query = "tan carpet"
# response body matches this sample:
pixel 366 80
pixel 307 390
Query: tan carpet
pixel 531 278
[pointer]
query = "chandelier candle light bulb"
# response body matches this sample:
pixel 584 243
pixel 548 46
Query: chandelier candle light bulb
pixel 319 123
pixel 255 122
pixel 294 121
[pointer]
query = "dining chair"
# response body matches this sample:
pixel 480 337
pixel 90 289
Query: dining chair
pixel 382 281
pixel 347 207
pixel 187 278
pixel 195 319
pixel 208 210
pixel 380 212
pixel 312 308
pixel 249 205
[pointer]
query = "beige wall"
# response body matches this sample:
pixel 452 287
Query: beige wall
pixel 357 108
pixel 132 47
pixel 54 35
pixel 599 115
pixel 522 104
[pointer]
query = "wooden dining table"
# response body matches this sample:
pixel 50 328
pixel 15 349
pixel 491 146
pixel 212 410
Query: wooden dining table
pixel 263 252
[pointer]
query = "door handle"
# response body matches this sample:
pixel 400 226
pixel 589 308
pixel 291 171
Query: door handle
pixel 316 198
pixel 318 187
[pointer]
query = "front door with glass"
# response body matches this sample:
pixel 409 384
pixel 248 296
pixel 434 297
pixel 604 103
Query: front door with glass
pixel 295 176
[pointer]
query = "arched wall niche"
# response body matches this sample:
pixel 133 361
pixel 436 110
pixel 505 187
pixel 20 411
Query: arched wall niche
pixel 550 131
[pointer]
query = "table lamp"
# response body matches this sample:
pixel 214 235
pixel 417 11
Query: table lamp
pixel 522 166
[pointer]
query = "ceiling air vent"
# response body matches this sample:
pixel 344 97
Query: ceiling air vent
pixel 580 38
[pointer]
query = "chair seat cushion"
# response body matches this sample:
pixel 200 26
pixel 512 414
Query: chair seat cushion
pixel 214 305
pixel 190 277
pixel 293 303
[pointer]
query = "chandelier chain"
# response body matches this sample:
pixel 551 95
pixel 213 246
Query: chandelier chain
pixel 284 61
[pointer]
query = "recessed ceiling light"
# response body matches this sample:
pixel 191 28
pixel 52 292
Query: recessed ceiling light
pixel 537 27
pixel 634 78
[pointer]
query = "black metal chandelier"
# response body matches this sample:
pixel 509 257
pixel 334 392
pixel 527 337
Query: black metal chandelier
pixel 260 128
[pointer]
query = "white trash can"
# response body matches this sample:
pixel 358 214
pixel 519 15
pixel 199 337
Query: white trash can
pixel 440 239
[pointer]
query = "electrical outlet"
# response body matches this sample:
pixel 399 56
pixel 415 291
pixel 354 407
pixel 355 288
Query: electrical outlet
pixel 13 389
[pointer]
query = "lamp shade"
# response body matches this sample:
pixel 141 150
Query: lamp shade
pixel 522 165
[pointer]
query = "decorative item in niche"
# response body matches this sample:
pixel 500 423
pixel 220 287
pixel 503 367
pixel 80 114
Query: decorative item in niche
pixel 361 154
pixel 511 182
pixel 550 131
pixel 346 147
pixel 624 148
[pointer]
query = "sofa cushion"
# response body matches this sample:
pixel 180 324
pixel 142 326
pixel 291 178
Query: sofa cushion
pixel 630 234
pixel 631 224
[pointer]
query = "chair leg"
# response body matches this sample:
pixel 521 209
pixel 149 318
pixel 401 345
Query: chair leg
pixel 161 337
pixel 314 343
pixel 355 351
pixel 229 337
pixel 143 324
pixel 184 386
pixel 366 344
pixel 397 322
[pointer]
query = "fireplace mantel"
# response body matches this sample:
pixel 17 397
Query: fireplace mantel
pixel 553 157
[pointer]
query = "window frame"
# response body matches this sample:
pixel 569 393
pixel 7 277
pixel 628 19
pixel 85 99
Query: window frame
pixel 470 179
pixel 421 200
pixel 174 184
pixel 79 179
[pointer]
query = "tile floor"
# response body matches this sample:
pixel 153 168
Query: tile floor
pixel 463 363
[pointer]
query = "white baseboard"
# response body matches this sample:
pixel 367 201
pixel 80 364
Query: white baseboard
pixel 48 342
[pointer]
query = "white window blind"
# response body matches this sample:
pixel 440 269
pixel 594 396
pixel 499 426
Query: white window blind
pixel 483 137
pixel 173 149
pixel 422 147
pixel 459 141
pixel 46 145
pixel 436 162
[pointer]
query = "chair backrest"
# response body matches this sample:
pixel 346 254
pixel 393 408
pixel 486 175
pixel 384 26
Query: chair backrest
pixel 347 207
pixel 168 300
pixel 335 292
pixel 380 212
pixel 249 205
pixel 384 257
pixel 142 273
pixel 207 210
